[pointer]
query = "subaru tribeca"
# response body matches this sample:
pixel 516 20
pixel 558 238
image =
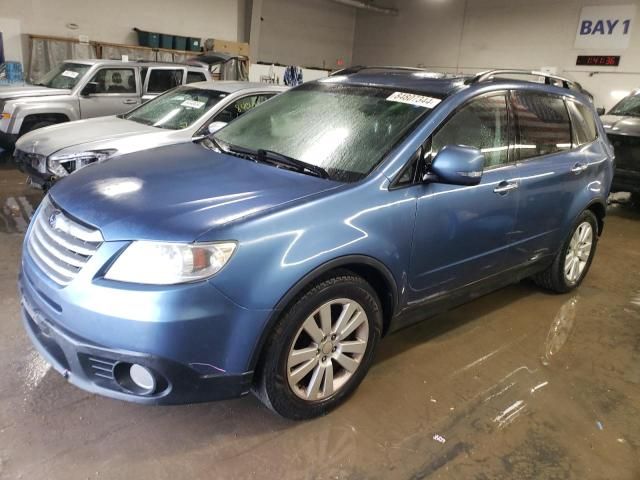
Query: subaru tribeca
pixel 272 256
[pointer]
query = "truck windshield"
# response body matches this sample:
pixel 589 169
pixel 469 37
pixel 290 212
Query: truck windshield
pixel 628 106
pixel 66 75
pixel 176 109
pixel 344 129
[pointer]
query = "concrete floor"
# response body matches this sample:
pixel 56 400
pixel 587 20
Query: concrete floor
pixel 519 384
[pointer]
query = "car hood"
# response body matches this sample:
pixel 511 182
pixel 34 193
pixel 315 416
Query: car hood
pixel 620 125
pixel 84 135
pixel 10 93
pixel 177 193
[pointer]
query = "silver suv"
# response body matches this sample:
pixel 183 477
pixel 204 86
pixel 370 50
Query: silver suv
pixel 78 89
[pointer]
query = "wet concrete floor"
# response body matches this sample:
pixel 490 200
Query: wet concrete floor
pixel 519 384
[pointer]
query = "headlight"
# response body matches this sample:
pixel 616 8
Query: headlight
pixel 159 263
pixel 66 163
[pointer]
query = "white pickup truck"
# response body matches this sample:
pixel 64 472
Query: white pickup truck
pixel 78 89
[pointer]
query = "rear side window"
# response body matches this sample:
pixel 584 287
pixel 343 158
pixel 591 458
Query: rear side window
pixel 163 80
pixel 542 123
pixel 483 124
pixel 193 77
pixel 584 126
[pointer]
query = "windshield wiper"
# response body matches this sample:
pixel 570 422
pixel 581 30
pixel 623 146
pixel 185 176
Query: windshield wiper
pixel 276 158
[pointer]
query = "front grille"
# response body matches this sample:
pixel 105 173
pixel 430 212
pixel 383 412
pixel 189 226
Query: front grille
pixel 627 149
pixel 59 245
pixel 34 160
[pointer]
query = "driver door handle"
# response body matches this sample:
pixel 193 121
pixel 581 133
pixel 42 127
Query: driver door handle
pixel 578 168
pixel 505 187
pixel 130 101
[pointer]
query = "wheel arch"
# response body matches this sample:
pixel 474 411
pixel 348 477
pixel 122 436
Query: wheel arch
pixel 599 209
pixel 35 118
pixel 373 271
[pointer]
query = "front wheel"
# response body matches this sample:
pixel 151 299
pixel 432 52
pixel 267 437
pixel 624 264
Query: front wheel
pixel 321 348
pixel 574 258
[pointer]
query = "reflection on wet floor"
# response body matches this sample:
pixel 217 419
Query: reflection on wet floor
pixel 17 201
pixel 519 384
pixel 561 329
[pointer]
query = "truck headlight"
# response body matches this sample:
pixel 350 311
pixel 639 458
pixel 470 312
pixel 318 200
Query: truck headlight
pixel 63 164
pixel 159 263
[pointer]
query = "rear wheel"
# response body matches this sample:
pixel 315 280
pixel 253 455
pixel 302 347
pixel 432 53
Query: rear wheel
pixel 574 258
pixel 321 348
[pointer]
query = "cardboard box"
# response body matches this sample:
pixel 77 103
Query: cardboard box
pixel 232 48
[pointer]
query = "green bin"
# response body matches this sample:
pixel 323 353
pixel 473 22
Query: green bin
pixel 193 44
pixel 148 39
pixel 166 41
pixel 179 43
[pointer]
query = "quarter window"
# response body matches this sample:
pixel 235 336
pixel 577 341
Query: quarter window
pixel 115 80
pixel 161 80
pixel 483 123
pixel 584 126
pixel 543 124
pixel 193 77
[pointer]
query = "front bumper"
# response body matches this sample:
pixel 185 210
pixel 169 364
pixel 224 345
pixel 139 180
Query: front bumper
pixel 93 368
pixel 197 342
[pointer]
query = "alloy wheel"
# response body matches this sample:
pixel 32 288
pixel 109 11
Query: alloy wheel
pixel 578 253
pixel 327 349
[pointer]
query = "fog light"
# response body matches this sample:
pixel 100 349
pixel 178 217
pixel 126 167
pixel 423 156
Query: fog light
pixel 142 378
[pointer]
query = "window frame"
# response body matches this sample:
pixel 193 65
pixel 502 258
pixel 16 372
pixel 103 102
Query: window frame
pixel 577 103
pixel 114 94
pixel 425 147
pixel 516 129
pixel 151 69
pixel 197 72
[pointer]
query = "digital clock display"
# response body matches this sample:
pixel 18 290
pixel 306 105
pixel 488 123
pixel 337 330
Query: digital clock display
pixel 598 60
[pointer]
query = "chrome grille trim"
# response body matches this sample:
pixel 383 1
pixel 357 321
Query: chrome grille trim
pixel 61 252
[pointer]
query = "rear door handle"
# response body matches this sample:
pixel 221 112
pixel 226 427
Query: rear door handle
pixel 578 168
pixel 130 101
pixel 505 187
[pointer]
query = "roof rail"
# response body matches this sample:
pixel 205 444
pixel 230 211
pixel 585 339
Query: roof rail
pixel 548 78
pixel 358 68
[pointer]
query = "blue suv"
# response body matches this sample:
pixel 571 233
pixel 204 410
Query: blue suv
pixel 272 256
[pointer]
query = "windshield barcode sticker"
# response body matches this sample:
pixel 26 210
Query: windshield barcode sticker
pixel 412 99
pixel 70 74
pixel 192 104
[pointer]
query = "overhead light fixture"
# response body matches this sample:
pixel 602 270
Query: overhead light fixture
pixel 363 5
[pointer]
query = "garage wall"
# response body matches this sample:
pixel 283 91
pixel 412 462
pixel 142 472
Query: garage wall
pixel 471 35
pixel 113 20
pixel 312 33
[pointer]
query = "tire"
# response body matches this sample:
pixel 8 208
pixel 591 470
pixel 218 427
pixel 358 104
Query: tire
pixel 277 384
pixel 554 278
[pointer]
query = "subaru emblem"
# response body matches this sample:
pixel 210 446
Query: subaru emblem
pixel 53 219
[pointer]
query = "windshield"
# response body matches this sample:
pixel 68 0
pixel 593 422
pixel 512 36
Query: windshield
pixel 65 75
pixel 176 109
pixel 628 106
pixel 346 130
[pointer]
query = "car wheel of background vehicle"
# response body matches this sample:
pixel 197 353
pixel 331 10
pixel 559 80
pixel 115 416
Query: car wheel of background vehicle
pixel 320 348
pixel 574 258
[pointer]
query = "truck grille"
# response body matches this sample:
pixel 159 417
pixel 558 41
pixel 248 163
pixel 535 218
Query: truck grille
pixel 627 149
pixel 59 245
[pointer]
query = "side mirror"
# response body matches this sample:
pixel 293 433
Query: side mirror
pixel 90 88
pixel 457 165
pixel 600 110
pixel 215 126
